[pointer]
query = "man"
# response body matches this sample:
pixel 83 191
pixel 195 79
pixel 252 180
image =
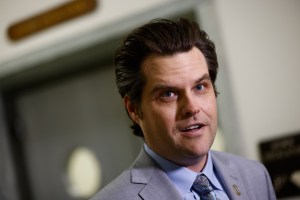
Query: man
pixel 165 73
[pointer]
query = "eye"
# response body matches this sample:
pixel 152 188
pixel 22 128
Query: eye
pixel 200 87
pixel 167 94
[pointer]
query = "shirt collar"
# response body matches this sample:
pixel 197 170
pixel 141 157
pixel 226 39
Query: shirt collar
pixel 182 177
pixel 210 173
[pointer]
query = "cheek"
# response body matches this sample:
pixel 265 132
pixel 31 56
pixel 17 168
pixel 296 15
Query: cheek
pixel 211 106
pixel 214 114
pixel 163 117
pixel 211 112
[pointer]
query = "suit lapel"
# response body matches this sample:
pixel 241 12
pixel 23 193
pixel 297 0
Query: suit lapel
pixel 230 177
pixel 159 187
pixel 157 184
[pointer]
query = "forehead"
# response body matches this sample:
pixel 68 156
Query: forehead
pixel 173 68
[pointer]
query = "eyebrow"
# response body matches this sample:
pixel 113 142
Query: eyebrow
pixel 204 77
pixel 166 87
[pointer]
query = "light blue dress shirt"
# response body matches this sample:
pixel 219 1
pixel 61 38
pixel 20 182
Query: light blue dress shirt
pixel 183 178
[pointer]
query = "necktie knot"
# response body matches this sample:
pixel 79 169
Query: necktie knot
pixel 203 188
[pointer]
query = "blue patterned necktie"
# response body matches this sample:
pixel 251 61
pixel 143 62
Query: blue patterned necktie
pixel 203 188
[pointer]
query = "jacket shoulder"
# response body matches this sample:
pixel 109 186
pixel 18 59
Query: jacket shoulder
pixel 236 160
pixel 250 171
pixel 253 174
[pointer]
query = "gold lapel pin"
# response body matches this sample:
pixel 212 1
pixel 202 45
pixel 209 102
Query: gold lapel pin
pixel 236 189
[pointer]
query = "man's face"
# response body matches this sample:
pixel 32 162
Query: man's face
pixel 178 113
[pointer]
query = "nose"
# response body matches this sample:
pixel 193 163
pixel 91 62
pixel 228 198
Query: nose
pixel 189 106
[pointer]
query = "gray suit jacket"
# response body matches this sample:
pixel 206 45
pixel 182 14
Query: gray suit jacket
pixel 145 180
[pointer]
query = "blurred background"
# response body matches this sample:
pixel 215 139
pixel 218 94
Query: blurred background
pixel 64 133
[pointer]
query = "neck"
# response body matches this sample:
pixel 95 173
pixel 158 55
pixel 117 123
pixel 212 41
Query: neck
pixel 199 165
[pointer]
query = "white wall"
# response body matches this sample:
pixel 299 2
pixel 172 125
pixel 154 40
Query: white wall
pixel 260 46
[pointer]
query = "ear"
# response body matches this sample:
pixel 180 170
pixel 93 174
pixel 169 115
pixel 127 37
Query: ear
pixel 132 109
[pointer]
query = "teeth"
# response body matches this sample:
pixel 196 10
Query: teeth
pixel 192 127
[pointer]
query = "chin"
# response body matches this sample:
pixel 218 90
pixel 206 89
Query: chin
pixel 197 153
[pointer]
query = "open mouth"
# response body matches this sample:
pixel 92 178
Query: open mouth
pixel 192 128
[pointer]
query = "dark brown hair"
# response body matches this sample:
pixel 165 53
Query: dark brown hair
pixel 160 37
